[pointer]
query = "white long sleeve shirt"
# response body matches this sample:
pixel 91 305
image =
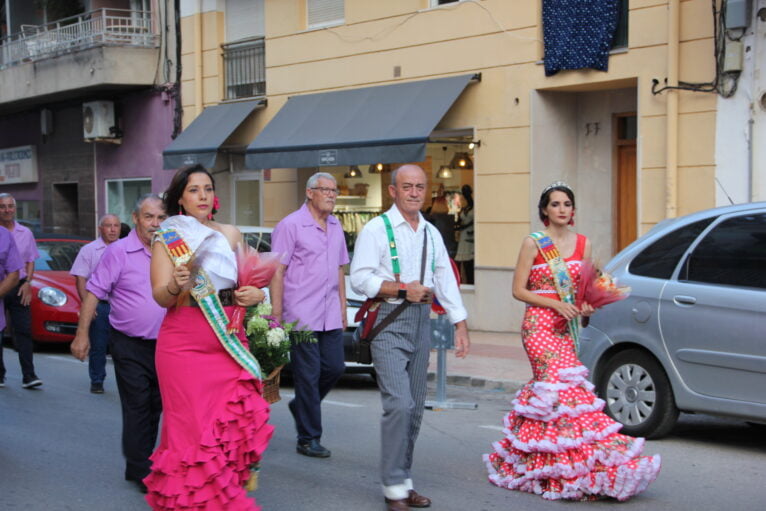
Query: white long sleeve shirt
pixel 371 264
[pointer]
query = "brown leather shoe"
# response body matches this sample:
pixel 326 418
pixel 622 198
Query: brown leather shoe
pixel 397 505
pixel 417 500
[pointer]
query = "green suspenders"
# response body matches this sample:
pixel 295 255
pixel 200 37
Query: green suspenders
pixel 392 248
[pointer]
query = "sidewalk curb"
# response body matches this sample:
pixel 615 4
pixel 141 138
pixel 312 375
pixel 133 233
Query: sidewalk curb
pixel 479 383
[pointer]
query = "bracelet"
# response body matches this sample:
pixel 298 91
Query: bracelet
pixel 171 292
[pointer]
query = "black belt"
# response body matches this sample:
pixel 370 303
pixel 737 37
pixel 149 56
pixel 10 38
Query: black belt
pixel 226 296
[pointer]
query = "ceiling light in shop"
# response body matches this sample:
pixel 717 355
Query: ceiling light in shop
pixel 379 168
pixel 444 172
pixel 461 161
pixel 353 171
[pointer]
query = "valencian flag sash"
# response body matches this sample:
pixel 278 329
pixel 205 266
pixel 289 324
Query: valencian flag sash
pixel 206 296
pixel 561 278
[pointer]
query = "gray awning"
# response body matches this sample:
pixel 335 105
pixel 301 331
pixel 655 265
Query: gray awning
pixel 199 142
pixel 384 124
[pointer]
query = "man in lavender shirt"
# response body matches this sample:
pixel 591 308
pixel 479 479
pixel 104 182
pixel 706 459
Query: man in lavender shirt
pixel 122 278
pixel 17 301
pixel 309 287
pixel 82 268
pixel 10 266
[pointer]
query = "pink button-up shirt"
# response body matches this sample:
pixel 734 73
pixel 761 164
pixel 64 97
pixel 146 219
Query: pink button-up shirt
pixel 10 261
pixel 25 244
pixel 88 258
pixel 122 278
pixel 313 257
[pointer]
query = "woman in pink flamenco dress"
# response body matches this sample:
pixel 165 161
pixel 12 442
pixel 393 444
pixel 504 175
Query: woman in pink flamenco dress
pixel 558 443
pixel 214 426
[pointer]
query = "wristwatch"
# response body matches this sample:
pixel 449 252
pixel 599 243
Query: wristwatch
pixel 402 291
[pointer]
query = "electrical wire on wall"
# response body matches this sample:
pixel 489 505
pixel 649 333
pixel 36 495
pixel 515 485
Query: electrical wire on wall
pixel 725 81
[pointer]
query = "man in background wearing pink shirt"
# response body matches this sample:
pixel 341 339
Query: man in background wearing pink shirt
pixel 10 265
pixel 82 268
pixel 17 301
pixel 309 287
pixel 122 278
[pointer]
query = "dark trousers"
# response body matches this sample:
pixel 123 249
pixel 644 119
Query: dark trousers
pixel 99 339
pixel 21 322
pixel 136 377
pixel 316 368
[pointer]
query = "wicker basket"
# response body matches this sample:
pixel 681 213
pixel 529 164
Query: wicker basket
pixel 271 386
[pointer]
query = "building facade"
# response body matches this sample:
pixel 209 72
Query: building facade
pixel 87 104
pixel 641 138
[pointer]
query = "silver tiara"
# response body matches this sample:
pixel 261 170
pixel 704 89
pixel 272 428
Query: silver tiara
pixel 556 184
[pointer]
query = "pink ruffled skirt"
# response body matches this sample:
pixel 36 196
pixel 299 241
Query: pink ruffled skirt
pixel 214 425
pixel 558 443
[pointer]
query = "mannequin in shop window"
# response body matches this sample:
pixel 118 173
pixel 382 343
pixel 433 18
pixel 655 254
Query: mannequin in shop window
pixel 464 255
pixel 439 215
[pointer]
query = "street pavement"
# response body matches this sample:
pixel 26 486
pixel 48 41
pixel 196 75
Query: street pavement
pixel 496 361
pixel 59 451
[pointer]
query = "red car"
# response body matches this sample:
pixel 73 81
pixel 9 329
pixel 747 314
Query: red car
pixel 55 302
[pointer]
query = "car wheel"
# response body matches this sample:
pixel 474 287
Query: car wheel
pixel 638 394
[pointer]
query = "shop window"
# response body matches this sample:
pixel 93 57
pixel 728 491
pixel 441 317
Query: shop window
pixel 325 13
pixel 122 194
pixel 247 202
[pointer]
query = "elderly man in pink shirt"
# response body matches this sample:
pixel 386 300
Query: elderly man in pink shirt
pixel 309 287
pixel 10 266
pixel 82 268
pixel 17 301
pixel 122 278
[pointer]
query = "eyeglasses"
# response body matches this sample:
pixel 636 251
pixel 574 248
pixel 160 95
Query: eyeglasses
pixel 326 191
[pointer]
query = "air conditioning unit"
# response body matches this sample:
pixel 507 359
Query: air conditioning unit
pixel 98 120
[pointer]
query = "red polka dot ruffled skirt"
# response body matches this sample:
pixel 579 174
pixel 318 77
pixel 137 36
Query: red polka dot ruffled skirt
pixel 558 443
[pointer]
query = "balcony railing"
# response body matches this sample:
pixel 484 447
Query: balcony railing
pixel 101 27
pixel 244 65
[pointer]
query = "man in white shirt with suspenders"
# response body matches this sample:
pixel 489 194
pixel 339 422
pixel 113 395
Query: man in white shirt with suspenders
pixel 399 258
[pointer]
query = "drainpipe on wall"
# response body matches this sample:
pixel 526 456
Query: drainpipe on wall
pixel 198 61
pixel 671 160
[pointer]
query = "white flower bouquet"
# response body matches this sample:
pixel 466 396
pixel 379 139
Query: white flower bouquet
pixel 269 339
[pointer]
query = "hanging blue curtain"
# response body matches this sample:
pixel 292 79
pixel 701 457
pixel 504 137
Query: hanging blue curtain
pixel 578 33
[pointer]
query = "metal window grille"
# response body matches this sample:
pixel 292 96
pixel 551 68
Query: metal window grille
pixel 244 65
pixel 100 27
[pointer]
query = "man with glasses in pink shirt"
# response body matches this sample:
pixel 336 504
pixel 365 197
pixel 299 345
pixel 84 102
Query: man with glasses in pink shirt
pixel 122 278
pixel 18 300
pixel 309 287
pixel 82 268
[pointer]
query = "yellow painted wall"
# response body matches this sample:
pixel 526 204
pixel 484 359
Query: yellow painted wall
pixel 501 39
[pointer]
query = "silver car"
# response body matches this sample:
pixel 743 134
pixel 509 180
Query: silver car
pixel 692 335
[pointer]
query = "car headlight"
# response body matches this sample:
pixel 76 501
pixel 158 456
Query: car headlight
pixel 52 296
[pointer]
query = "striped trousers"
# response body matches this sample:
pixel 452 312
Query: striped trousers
pixel 400 356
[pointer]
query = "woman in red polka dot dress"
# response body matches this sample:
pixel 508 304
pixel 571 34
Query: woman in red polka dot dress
pixel 558 443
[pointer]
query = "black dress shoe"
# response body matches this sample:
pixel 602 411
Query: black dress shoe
pixel 97 388
pixel 313 449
